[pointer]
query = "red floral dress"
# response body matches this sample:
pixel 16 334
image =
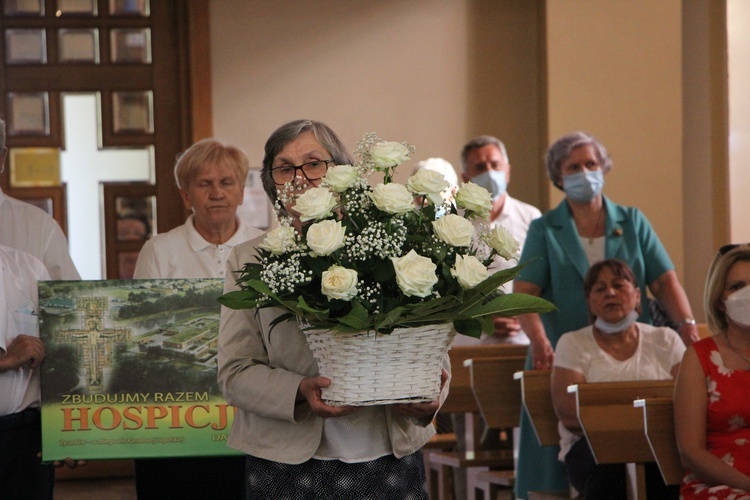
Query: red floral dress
pixel 728 423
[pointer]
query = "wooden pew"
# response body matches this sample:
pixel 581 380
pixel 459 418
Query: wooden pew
pixel 615 428
pixel 498 397
pixel 658 418
pixel 537 400
pixel 499 401
pixel 439 464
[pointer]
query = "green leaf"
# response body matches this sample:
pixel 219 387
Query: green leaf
pixel 469 327
pixel 508 305
pixel 304 306
pixel 384 272
pixel 357 318
pixel 238 299
pixel 317 264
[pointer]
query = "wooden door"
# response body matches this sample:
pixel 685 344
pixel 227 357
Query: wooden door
pixel 145 61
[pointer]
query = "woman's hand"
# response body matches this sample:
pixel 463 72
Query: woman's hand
pixel 542 354
pixel 309 389
pixel 422 410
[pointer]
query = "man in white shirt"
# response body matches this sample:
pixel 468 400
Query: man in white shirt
pixel 31 229
pixel 485 162
pixel 22 474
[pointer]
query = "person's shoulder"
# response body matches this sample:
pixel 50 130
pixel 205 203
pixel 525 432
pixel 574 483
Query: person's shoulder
pixel 526 208
pixel 19 260
pixel 247 249
pixel 577 337
pixel 246 232
pixel 624 211
pixel 173 235
pixel 25 211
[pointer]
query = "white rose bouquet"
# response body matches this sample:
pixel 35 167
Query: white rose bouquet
pixel 369 259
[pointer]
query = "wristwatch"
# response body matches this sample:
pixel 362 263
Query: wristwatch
pixel 686 321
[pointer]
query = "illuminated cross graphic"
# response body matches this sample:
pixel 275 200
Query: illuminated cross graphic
pixel 94 342
pixel 84 165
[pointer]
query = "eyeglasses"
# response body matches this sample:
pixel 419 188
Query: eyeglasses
pixel 731 246
pixel 312 170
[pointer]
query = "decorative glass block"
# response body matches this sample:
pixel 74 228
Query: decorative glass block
pixel 78 45
pixel 29 113
pixel 129 8
pixel 76 8
pixel 131 45
pixel 133 112
pixel 25 46
pixel 24 7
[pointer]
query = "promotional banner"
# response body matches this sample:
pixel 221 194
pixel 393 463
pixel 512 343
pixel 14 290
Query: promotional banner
pixel 130 369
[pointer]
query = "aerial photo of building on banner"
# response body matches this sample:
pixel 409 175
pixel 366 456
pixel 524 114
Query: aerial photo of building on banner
pixel 130 370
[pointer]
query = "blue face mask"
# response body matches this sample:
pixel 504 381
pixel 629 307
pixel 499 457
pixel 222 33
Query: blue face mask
pixel 493 181
pixel 618 327
pixel 583 186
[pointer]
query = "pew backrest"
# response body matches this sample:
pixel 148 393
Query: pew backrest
pixel 460 396
pixel 613 426
pixel 537 401
pixel 658 418
pixel 497 394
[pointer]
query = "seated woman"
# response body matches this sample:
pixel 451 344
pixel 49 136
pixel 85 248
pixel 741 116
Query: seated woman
pixel 614 348
pixel 712 394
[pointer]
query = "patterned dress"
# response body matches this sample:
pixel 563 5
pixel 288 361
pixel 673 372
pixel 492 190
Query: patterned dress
pixel 728 423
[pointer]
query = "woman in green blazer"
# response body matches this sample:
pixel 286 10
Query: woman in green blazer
pixel 585 228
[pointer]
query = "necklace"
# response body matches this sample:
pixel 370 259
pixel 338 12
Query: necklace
pixel 729 343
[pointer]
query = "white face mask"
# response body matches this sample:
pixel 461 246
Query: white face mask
pixel 618 327
pixel 738 306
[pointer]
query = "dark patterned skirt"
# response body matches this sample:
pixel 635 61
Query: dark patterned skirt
pixel 386 478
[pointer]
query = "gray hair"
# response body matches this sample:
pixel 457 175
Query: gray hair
pixel 289 132
pixel 209 152
pixel 560 150
pixel 480 142
pixel 715 283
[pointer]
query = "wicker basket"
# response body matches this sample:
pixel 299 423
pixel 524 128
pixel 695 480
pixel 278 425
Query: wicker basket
pixel 372 369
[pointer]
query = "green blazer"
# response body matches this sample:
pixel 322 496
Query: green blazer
pixel 558 262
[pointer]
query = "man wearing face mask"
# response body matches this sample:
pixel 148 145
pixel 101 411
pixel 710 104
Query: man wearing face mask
pixel 485 163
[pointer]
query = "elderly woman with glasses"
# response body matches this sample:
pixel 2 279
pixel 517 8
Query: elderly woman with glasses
pixel 585 228
pixel 297 446
pixel 712 395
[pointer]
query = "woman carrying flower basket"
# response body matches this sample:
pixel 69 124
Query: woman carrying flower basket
pixel 350 269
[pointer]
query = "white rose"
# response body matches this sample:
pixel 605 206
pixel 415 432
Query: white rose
pixel 392 198
pixel 388 154
pixel 315 204
pixel 325 237
pixel 341 177
pixel 279 240
pixel 504 243
pixel 415 274
pixel 469 271
pixel 454 230
pixel 474 198
pixel 339 283
pixel 428 183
